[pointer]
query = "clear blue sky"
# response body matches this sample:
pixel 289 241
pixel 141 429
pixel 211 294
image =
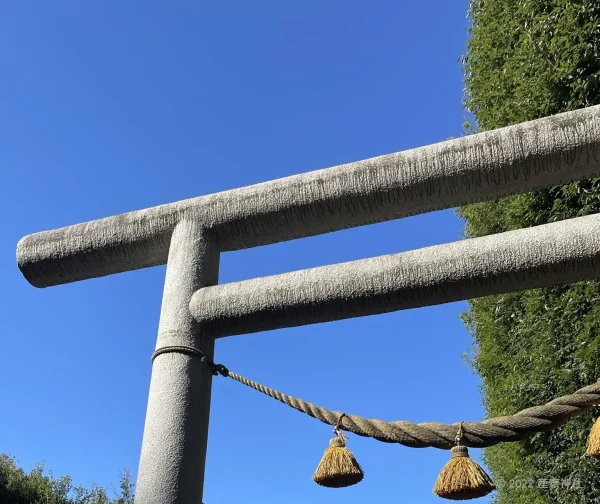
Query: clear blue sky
pixel 113 106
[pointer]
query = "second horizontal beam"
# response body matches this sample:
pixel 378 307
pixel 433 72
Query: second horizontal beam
pixel 557 253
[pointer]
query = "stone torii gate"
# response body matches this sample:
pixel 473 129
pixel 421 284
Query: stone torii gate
pixel 190 235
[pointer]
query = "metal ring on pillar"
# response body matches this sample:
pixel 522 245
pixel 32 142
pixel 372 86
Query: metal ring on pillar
pixel 217 369
pixel 181 349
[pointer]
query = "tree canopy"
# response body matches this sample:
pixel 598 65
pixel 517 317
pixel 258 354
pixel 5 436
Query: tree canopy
pixel 527 59
pixel 36 487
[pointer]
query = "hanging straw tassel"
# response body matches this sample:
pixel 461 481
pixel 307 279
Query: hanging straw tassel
pixel 462 478
pixel 593 442
pixel 338 467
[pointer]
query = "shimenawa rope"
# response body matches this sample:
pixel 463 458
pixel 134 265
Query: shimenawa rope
pixel 429 434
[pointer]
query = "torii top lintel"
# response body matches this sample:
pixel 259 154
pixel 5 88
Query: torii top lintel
pixel 516 159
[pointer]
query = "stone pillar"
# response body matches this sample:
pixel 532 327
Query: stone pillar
pixel 172 460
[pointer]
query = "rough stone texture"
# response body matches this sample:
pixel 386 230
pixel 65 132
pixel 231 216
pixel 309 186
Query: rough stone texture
pixel 173 454
pixel 561 252
pixel 546 152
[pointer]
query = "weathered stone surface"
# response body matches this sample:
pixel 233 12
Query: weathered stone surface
pixel 175 433
pixel 516 159
pixel 556 253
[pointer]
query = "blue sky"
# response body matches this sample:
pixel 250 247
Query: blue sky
pixel 109 107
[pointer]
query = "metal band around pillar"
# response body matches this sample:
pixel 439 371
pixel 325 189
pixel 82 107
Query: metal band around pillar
pixel 217 369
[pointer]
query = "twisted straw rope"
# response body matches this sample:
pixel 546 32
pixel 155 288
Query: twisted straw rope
pixel 432 434
pixel 492 431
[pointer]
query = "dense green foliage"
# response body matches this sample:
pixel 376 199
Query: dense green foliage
pixel 528 59
pixel 19 487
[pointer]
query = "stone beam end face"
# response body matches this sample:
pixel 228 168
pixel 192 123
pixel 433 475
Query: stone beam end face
pixel 25 265
pixel 95 249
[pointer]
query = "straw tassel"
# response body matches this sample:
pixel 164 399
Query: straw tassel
pixel 462 478
pixel 593 441
pixel 338 468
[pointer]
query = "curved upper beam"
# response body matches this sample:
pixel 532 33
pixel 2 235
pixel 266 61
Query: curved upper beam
pixel 549 151
pixel 561 252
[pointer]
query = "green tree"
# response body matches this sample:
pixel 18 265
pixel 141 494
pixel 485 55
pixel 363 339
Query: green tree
pixel 528 59
pixel 19 487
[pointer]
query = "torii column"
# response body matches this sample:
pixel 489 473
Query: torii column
pixel 175 434
pixel 189 235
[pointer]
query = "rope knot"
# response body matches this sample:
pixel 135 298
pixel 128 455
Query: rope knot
pixel 220 369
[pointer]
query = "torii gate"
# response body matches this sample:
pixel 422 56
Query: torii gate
pixel 189 235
